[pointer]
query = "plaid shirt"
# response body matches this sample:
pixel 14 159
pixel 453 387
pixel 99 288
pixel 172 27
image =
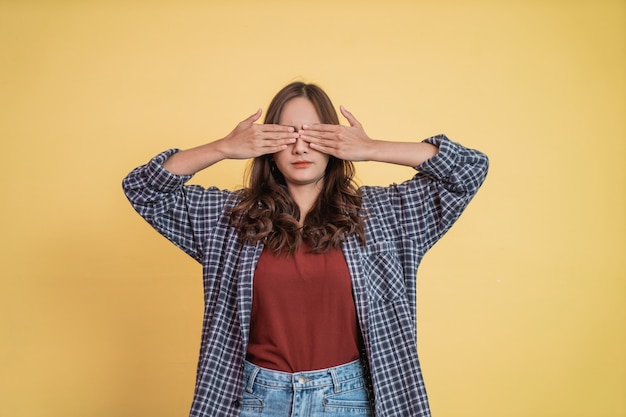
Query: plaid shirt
pixel 402 222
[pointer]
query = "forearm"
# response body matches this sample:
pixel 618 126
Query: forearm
pixel 190 161
pixel 402 153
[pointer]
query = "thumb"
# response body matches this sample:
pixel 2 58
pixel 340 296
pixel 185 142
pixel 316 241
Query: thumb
pixel 349 117
pixel 253 118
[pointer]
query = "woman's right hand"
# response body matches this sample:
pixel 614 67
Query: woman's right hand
pixel 249 140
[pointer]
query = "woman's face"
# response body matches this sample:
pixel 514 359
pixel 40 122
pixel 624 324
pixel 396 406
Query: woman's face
pixel 300 165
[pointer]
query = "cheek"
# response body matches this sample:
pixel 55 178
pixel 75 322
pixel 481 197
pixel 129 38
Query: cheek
pixel 280 157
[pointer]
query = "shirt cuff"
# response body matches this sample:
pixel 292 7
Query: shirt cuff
pixel 442 164
pixel 160 178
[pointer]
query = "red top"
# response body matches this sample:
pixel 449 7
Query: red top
pixel 303 313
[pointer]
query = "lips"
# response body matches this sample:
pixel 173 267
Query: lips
pixel 301 164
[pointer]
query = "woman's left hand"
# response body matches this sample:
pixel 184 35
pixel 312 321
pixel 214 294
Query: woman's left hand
pixel 350 143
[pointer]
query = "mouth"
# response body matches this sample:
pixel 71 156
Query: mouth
pixel 301 164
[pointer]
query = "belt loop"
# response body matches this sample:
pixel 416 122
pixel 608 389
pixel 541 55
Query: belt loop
pixel 251 378
pixel 336 385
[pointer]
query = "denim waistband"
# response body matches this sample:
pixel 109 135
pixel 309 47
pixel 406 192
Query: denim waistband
pixel 302 380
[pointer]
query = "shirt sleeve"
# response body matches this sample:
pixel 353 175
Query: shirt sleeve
pixel 428 205
pixel 184 214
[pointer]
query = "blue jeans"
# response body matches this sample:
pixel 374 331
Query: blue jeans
pixel 338 391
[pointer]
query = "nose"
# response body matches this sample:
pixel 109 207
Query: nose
pixel 300 147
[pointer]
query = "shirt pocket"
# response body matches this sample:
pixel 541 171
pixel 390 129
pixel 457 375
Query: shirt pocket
pixel 384 272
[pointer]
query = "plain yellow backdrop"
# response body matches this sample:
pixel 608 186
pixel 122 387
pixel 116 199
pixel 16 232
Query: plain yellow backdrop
pixel 522 305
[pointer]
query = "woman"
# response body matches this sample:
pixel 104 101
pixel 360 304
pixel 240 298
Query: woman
pixel 310 282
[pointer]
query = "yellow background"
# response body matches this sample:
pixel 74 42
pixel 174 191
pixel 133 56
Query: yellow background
pixel 521 305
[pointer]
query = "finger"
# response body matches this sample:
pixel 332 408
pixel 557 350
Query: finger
pixel 321 143
pixel 320 127
pixel 273 149
pixel 317 136
pixel 287 137
pixel 266 132
pixel 323 148
pixel 277 128
pixel 274 146
pixel 254 117
pixel 349 117
pixel 276 139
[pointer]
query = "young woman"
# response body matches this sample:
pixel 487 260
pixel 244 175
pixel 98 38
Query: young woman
pixel 309 281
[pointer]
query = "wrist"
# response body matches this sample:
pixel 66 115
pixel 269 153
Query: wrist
pixel 372 151
pixel 220 148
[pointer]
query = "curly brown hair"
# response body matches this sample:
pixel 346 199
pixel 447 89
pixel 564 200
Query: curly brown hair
pixel 267 212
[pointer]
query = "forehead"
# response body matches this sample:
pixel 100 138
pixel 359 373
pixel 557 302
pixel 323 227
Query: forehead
pixel 299 111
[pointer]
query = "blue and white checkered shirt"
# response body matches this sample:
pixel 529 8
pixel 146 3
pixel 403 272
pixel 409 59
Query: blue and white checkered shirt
pixel 402 222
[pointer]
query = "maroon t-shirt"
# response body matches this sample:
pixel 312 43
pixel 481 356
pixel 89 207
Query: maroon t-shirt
pixel 303 313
